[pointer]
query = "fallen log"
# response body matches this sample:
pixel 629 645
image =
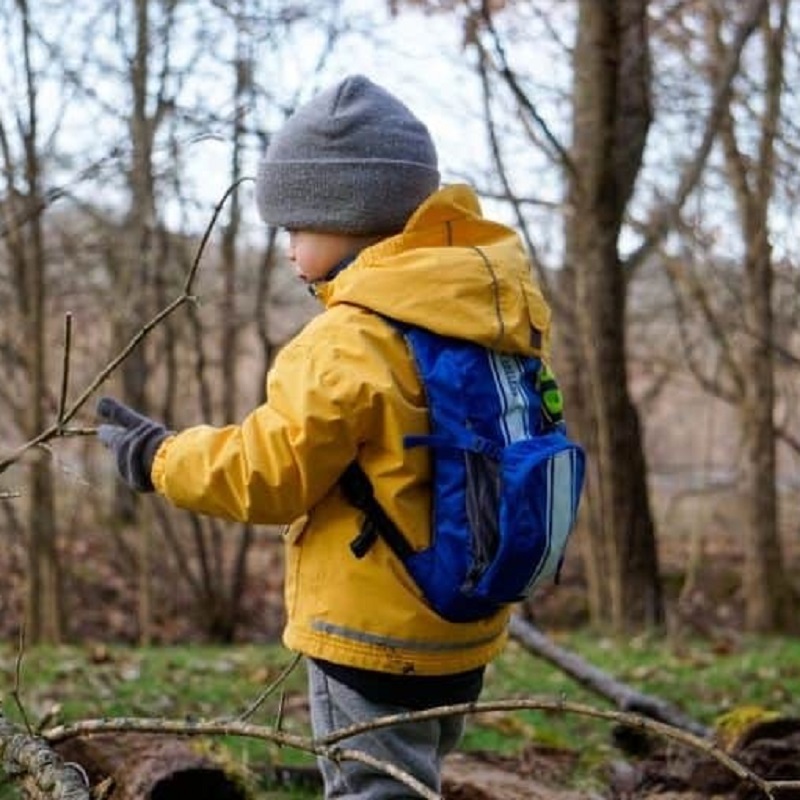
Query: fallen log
pixel 36 768
pixel 625 697
pixel 135 766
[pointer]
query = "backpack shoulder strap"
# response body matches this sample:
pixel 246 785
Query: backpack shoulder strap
pixel 357 490
pixel 442 364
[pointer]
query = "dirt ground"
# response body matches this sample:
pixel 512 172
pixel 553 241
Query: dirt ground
pixel 772 753
pixel 536 774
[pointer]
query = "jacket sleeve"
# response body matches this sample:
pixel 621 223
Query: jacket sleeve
pixel 286 454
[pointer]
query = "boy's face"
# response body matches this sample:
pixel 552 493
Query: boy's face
pixel 315 254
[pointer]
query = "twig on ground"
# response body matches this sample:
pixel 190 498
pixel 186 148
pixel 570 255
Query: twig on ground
pixel 256 704
pixel 230 728
pixel 327 746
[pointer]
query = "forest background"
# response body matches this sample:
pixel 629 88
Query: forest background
pixel 646 152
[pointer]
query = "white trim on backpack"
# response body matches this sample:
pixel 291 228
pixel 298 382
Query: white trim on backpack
pixel 507 374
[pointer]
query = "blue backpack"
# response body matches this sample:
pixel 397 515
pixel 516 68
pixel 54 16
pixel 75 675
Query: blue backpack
pixel 506 479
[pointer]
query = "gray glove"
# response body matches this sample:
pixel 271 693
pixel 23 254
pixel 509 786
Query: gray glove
pixel 133 438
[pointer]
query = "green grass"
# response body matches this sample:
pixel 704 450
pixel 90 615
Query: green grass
pixel 73 683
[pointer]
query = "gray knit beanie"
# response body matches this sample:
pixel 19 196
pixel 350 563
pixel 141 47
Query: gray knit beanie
pixel 352 160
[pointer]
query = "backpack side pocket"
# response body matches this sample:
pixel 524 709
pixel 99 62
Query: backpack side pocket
pixel 540 485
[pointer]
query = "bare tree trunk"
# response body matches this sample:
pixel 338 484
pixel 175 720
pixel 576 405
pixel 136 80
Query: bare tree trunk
pixel 611 120
pixel 767 589
pixel 766 586
pixel 137 275
pixel 216 574
pixel 43 616
pixel 243 67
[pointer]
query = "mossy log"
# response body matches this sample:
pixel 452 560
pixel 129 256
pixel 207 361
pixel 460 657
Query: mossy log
pixel 36 768
pixel 136 766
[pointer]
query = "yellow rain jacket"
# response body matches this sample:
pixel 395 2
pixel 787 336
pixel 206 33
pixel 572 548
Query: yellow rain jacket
pixel 345 386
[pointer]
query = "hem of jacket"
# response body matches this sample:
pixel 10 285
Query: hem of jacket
pixel 379 658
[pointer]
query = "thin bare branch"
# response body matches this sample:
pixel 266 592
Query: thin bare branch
pixel 502 172
pixel 185 297
pixel 788 438
pixel 682 275
pixel 508 75
pixel 259 701
pixel 665 217
pixel 327 746
pixel 62 399
pixel 232 728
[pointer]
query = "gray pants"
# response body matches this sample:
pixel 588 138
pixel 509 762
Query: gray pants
pixel 416 747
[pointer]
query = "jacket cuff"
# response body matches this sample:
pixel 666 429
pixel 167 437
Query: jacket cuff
pixel 159 467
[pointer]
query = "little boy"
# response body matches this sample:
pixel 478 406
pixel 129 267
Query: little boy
pixel 353 177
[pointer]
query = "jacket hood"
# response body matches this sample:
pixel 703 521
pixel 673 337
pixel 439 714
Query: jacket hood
pixel 453 272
